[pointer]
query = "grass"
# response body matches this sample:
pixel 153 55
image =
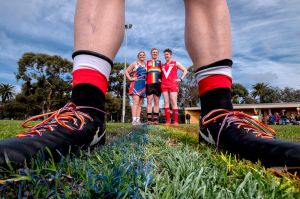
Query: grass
pixel 149 162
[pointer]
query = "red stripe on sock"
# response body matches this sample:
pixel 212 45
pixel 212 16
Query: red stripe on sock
pixel 89 76
pixel 167 113
pixel 213 82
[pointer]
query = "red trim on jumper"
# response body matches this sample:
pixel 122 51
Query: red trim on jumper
pixel 214 81
pixel 167 113
pixel 175 115
pixel 90 76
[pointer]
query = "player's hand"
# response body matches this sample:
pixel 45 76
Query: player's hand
pixel 177 80
pixel 133 79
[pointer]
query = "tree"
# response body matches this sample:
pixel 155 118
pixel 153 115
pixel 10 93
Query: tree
pixel 270 95
pixel 116 80
pixel 188 92
pixel 46 79
pixel 6 92
pixel 113 106
pixel 238 93
pixel 259 90
pixel 290 95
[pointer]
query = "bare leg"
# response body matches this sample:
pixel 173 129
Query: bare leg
pixel 149 103
pixel 99 26
pixel 173 99
pixel 135 105
pixel 156 104
pixel 139 108
pixel 166 99
pixel 207 31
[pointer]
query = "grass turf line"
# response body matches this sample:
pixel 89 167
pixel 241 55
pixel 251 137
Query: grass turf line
pixel 151 162
pixel 198 171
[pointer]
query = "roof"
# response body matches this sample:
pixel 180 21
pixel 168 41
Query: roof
pixel 252 106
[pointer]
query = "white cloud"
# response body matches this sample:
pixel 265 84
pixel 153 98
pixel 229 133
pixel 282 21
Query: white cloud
pixel 266 42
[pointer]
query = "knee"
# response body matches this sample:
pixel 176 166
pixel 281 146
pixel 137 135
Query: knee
pixel 135 103
pixel 149 102
pixel 174 104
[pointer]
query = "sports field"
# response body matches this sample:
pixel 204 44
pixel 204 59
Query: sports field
pixel 149 162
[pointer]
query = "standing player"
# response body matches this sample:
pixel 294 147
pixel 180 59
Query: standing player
pixel 153 89
pixel 169 85
pixel 137 87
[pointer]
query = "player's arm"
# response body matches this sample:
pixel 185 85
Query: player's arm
pixel 128 70
pixel 183 69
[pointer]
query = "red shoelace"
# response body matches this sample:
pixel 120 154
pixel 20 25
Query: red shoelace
pixel 70 112
pixel 241 120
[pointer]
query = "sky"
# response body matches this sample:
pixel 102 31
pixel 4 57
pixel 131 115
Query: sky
pixel 265 35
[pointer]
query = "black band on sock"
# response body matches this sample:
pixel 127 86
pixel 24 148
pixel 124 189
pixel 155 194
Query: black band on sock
pixel 155 117
pixel 149 116
pixel 87 52
pixel 88 95
pixel 219 98
pixel 224 62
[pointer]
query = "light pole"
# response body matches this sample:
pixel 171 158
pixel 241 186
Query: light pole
pixel 127 26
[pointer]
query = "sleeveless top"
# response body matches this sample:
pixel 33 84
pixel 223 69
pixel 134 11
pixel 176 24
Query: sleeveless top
pixel 139 72
pixel 169 72
pixel 153 71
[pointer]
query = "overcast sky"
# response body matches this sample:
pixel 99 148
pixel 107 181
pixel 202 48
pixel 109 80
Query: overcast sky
pixel 266 35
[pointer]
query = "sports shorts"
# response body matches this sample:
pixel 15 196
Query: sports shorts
pixel 153 89
pixel 169 87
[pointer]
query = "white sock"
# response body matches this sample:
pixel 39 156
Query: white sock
pixel 138 119
pixel 133 119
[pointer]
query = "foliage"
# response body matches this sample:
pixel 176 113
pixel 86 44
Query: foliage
pixel 188 90
pixel 6 92
pixel 116 80
pixel 259 90
pixel 289 95
pixel 46 80
pixel 238 93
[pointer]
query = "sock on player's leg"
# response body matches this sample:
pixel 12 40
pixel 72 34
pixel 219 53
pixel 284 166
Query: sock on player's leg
pixel 214 84
pixel 134 119
pixel 155 118
pixel 175 116
pixel 90 78
pixel 149 118
pixel 167 113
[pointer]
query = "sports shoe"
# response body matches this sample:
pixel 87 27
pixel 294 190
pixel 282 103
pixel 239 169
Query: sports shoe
pixel 134 123
pixel 149 122
pixel 239 133
pixel 155 122
pixel 66 130
pixel 176 124
pixel 167 124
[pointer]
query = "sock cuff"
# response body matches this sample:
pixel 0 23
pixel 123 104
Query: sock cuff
pixel 88 52
pixel 93 61
pixel 222 67
pixel 92 77
pixel 213 82
pixel 156 114
pixel 223 62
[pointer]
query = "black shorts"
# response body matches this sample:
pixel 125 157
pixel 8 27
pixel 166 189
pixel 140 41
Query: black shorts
pixel 153 89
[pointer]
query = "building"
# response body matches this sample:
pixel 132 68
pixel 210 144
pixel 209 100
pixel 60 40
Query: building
pixel 251 109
